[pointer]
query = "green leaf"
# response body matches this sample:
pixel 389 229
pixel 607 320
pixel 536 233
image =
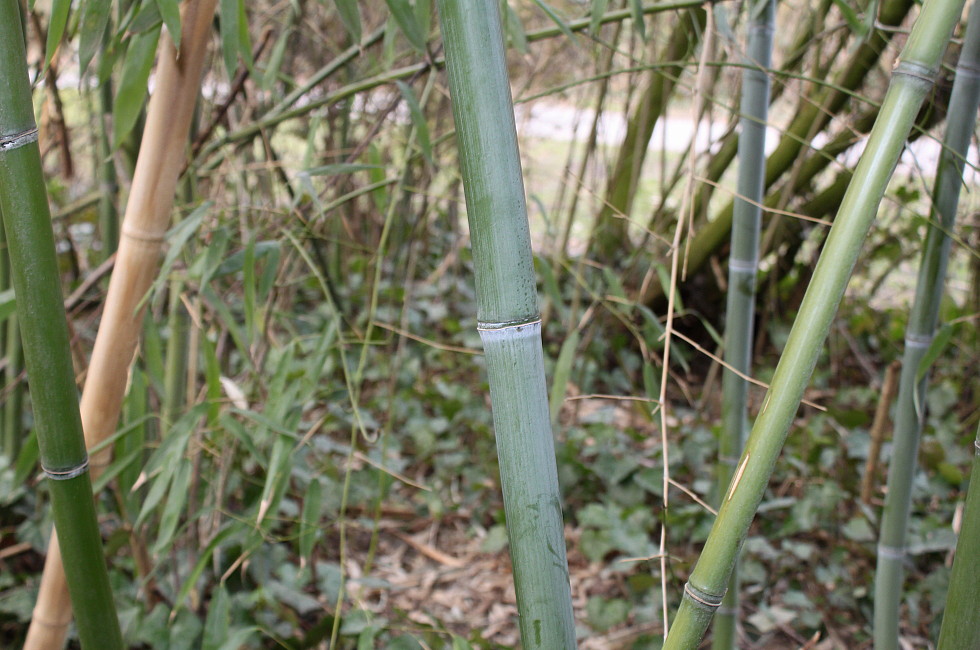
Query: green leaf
pixel 8 304
pixel 170 13
pixel 514 29
pixel 401 11
pixel 558 20
pixel 230 32
pixel 350 16
pixel 939 344
pixel 636 9
pixel 219 619
pixel 854 21
pixel 310 521
pixel 56 28
pixel 563 370
pixel 339 168
pixel 133 84
pixel 92 23
pixel 599 8
pixel 418 121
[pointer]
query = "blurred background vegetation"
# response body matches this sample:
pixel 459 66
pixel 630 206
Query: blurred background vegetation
pixel 308 407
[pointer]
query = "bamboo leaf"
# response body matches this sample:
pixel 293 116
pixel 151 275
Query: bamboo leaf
pixel 219 619
pixel 244 37
pixel 558 20
pixel 514 28
pixel 56 28
pixel 310 521
pixel 234 530
pixel 636 8
pixel 401 11
pixel 339 168
pixel 133 84
pixel 174 505
pixel 418 121
pixel 563 371
pixel 350 16
pixel 938 345
pixel 170 13
pixel 274 64
pixel 598 9
pixel 92 22
pixel 230 33
pixel 146 18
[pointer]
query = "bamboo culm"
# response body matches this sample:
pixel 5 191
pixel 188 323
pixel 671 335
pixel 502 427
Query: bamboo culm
pixel 911 404
pixel 508 318
pixel 912 78
pixel 743 266
pixel 44 333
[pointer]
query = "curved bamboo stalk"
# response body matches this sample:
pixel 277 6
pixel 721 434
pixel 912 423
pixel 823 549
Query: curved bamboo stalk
pixel 923 319
pixel 508 318
pixel 743 267
pixel 147 215
pixel 44 333
pixel 912 78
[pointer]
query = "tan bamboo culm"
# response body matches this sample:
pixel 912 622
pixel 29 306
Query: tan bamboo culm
pixel 162 155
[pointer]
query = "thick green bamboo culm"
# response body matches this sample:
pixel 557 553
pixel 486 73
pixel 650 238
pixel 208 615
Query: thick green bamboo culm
pixel 508 318
pixel 743 267
pixel 912 78
pixel 44 330
pixel 923 320
pixel 960 629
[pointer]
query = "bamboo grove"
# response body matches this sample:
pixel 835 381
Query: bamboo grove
pixel 417 324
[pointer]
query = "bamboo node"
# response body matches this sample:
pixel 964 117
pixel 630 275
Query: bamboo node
pixel 891 552
pixel 967 69
pixel 976 444
pixel 743 266
pixel 706 600
pixel 514 325
pixel 16 140
pixel 915 71
pixel 147 236
pixel 918 340
pixel 66 474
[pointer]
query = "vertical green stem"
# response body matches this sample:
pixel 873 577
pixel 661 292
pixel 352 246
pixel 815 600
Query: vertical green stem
pixel 34 270
pixel 923 319
pixel 912 78
pixel 743 265
pixel 509 320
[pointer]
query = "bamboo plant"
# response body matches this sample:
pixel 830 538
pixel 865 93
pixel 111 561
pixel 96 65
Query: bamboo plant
pixel 162 155
pixel 36 281
pixel 743 265
pixel 508 318
pixel 912 78
pixel 960 629
pixel 919 333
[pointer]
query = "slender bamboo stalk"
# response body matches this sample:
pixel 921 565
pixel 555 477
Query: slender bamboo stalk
pixel 34 271
pixel 508 317
pixel 161 156
pixel 912 78
pixel 923 319
pixel 813 117
pixel 743 266
pixel 960 629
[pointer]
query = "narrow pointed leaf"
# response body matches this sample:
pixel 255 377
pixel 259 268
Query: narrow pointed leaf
pixel 404 15
pixel 133 85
